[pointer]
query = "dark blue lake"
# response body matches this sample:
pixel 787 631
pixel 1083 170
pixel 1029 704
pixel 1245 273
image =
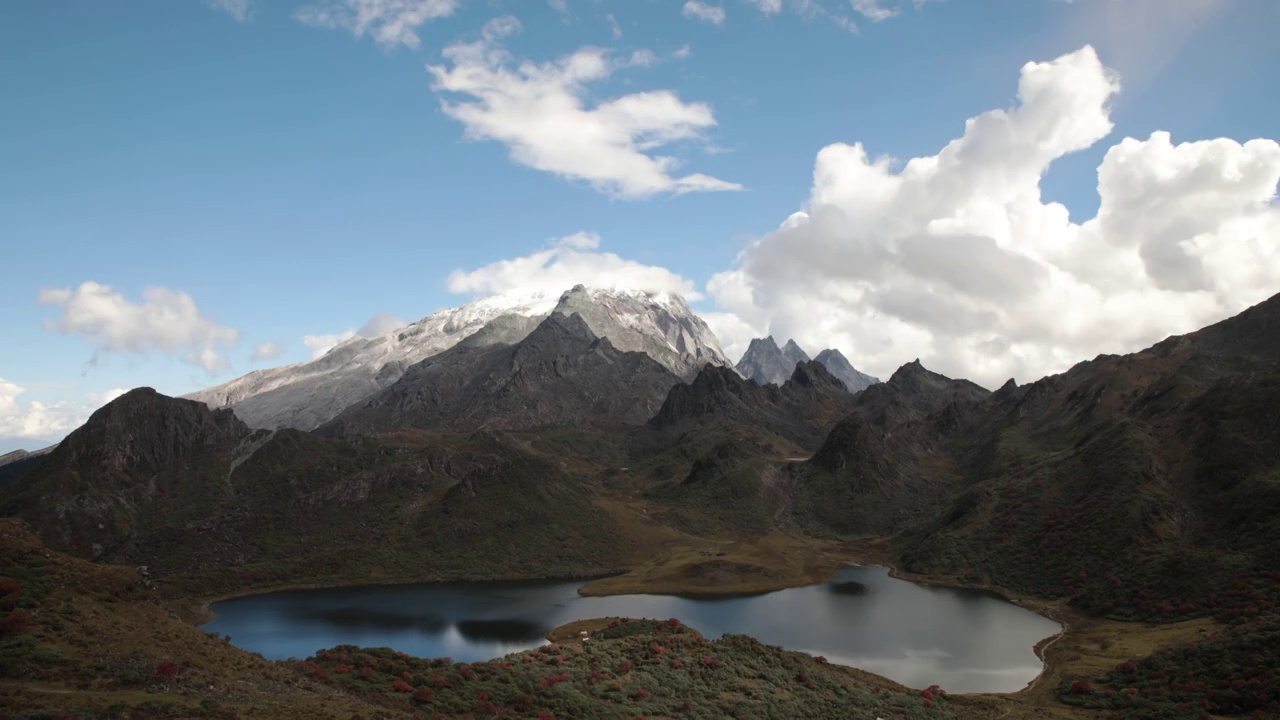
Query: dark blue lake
pixel 918 635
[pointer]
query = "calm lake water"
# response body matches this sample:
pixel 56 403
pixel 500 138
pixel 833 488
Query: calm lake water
pixel 963 640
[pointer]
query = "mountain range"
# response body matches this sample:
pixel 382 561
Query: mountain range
pixel 767 364
pixel 594 437
pixel 306 395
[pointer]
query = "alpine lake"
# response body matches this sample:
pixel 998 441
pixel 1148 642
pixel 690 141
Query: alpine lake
pixel 963 640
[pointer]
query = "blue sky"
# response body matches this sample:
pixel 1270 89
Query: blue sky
pixel 296 174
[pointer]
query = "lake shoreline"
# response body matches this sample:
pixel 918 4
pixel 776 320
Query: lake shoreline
pixel 882 655
pixel 1083 644
pixel 201 614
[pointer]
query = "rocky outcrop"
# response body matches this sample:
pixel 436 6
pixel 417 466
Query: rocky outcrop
pixel 801 410
pixel 840 366
pixel 766 363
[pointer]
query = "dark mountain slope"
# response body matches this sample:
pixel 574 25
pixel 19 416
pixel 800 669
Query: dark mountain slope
pixel 1145 485
pixel 892 458
pixel 719 398
pixel 14 465
pixel 97 485
pixel 715 445
pixel 190 492
pixel 561 374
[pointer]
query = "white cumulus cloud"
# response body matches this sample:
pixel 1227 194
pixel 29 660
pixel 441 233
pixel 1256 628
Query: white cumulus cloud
pixel 956 259
pixel 566 262
pixel 714 14
pixel 539 111
pixel 45 422
pixel 388 22
pixel 165 320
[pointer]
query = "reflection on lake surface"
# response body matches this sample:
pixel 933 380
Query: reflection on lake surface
pixel 963 640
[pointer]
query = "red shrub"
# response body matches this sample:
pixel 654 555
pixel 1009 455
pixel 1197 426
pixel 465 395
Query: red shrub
pixel 424 696
pixel 401 686
pixel 1081 687
pixel 15 623
pixel 546 715
pixel 10 587
pixel 366 673
pixel 437 681
pixel 315 671
pixel 553 680
pixel 167 670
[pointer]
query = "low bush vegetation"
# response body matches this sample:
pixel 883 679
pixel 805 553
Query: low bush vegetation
pixel 633 668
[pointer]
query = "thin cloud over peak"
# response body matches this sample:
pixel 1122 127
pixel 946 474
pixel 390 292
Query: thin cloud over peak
pixel 565 262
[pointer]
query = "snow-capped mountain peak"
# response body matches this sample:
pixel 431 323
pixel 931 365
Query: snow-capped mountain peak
pixel 307 394
pixel 660 324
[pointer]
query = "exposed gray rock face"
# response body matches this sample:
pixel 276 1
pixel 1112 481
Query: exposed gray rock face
pixel 838 365
pixel 306 395
pixel 768 364
pixel 661 325
pixel 794 354
pixel 561 374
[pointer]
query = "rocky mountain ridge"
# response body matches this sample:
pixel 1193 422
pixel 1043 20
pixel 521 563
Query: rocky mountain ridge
pixel 309 394
pixel 560 374
pixel 767 364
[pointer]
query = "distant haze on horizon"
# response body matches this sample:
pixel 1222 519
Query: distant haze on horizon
pixel 199 188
